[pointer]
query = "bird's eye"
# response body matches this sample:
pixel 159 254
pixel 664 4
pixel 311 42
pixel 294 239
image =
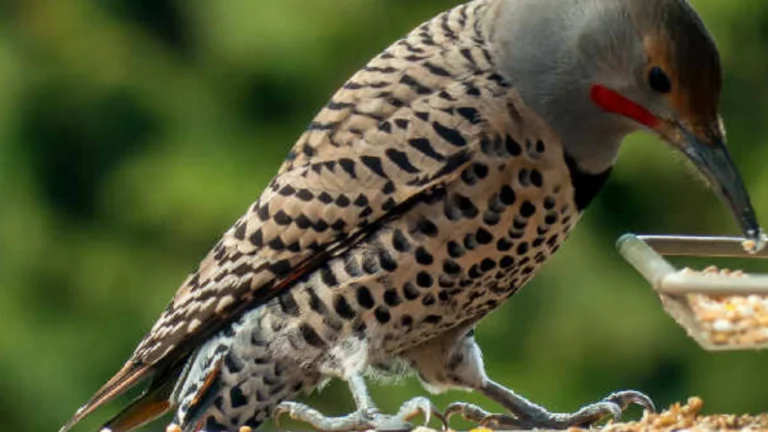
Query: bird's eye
pixel 659 81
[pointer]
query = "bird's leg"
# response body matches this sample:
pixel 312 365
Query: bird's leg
pixel 367 416
pixel 454 360
pixel 527 415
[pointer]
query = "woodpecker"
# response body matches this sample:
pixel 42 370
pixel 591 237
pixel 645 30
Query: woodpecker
pixel 430 189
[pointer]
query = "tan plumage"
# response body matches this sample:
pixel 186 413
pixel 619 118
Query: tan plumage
pixel 240 272
pixel 428 146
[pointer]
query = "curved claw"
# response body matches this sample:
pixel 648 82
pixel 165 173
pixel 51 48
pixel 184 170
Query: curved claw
pixel 420 405
pixel 466 410
pixel 624 398
pixel 599 410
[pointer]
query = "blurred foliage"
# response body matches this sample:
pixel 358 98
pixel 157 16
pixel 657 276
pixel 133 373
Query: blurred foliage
pixel 134 132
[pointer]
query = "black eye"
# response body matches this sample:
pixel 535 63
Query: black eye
pixel 659 81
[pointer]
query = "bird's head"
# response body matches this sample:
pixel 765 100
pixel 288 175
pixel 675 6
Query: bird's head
pixel 604 68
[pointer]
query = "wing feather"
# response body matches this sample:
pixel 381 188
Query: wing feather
pixel 386 140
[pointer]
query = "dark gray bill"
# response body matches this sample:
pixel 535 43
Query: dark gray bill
pixel 715 163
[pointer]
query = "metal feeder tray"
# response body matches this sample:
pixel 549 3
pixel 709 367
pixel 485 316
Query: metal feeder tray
pixel 646 254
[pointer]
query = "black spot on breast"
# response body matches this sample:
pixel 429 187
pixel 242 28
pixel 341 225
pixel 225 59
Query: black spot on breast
pixel 481 170
pixel 487 265
pixel 524 177
pixel 406 321
pixel 455 250
pixel 474 272
pixel 391 297
pixel 427 227
pixel 410 292
pixel 536 178
pixel 483 237
pixel 364 297
pixel 491 218
pixel 507 195
pixel 451 267
pixel 382 315
pixel 387 261
pixel 342 308
pixel 470 242
pixel 423 257
pixel 527 209
pixel 512 146
pixel 446 282
pixel 503 245
pixel 467 207
pixel 400 242
pixel 522 248
pixel 424 279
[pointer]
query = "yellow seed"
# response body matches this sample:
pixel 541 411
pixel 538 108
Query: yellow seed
pixel 245 429
pixel 719 338
pixel 173 428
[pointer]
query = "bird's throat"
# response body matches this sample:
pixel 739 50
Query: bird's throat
pixel 585 185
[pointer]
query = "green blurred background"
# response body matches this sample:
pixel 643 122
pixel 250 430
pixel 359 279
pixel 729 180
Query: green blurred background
pixel 134 132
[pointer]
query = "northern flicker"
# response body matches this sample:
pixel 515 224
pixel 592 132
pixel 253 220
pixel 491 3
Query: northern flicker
pixel 431 188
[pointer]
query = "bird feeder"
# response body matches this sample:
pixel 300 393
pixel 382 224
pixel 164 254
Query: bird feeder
pixel 720 310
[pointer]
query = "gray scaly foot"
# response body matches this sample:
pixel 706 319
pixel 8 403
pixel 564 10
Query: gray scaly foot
pixel 362 419
pixel 526 415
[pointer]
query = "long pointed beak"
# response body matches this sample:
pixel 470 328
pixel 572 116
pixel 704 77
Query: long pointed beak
pixel 712 159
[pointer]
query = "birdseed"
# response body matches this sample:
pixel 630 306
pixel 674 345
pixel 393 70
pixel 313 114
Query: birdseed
pixel 686 417
pixel 731 320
